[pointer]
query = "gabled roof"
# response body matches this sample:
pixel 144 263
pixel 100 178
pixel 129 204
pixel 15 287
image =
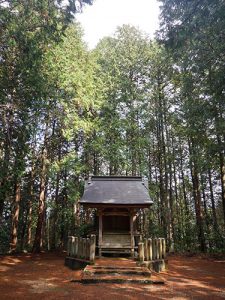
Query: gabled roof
pixel 116 190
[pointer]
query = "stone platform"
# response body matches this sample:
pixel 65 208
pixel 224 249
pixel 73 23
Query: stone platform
pixel 76 263
pixel 118 270
pixel 155 265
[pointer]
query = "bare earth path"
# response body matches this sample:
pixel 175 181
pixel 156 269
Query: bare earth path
pixel 44 276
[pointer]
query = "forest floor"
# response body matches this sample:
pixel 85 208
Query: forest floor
pixel 44 276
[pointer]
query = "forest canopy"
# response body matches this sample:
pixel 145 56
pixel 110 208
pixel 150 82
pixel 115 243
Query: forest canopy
pixel 131 106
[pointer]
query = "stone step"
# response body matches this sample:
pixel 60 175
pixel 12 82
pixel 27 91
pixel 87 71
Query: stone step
pixel 119 281
pixel 96 267
pixel 127 272
pixel 117 270
pixel 109 274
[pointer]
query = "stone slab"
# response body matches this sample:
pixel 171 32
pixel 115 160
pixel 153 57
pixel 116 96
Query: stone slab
pixel 76 263
pixel 155 265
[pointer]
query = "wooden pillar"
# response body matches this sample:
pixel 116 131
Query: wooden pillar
pixel 154 249
pixel 73 246
pixel 80 247
pixel 146 249
pixel 141 255
pixel 92 248
pixel 163 248
pixel 100 234
pixel 150 248
pixel 132 232
pixel 157 248
pixel 84 248
pixel 87 255
pixel 160 248
pixel 69 245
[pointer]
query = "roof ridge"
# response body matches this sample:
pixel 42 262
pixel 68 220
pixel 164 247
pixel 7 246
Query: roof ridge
pixel 122 178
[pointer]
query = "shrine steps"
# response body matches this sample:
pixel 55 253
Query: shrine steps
pixel 120 275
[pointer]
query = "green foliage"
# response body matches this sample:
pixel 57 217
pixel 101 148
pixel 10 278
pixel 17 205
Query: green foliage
pixel 123 62
pixel 4 238
pixel 84 230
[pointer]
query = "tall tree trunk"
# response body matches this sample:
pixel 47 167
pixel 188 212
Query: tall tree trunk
pixel 187 214
pixel 29 208
pixel 15 216
pixel 219 130
pixel 164 182
pixel 41 208
pixel 197 197
pixel 206 214
pixel 183 180
pixel 4 183
pixel 29 224
pixel 222 173
pixel 55 213
pixel 23 230
pixel 215 222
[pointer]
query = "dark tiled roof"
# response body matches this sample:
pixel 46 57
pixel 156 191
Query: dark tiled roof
pixel 116 190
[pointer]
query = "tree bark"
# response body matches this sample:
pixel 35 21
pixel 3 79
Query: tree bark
pixel 15 216
pixel 7 128
pixel 41 208
pixel 30 209
pixel 197 197
pixel 215 222
pixel 222 173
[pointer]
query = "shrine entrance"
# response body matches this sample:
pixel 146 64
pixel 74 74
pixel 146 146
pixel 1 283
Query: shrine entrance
pixel 117 200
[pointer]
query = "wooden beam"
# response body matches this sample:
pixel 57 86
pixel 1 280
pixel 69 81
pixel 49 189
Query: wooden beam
pixel 115 213
pixel 132 232
pixel 100 233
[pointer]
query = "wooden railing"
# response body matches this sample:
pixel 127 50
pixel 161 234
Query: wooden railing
pixel 82 248
pixel 152 249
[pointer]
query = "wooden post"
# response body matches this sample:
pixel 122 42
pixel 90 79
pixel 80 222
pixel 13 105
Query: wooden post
pixel 141 252
pixel 75 246
pixel 92 247
pixel 150 249
pixel 87 255
pixel 80 246
pixel 100 234
pixel 132 233
pixel 157 247
pixel 163 248
pixel 146 250
pixel 84 248
pixel 72 245
pixel 154 249
pixel 69 245
pixel 160 248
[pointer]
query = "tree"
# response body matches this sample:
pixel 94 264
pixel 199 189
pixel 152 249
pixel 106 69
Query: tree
pixel 197 29
pixel 123 60
pixel 26 34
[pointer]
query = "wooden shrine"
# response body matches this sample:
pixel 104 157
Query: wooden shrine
pixel 117 199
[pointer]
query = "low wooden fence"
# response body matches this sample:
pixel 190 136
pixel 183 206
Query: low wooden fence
pixel 82 248
pixel 152 249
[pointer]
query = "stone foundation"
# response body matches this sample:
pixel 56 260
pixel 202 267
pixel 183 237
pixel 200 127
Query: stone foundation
pixel 76 263
pixel 155 265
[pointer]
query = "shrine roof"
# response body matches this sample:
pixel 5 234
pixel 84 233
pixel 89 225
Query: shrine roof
pixel 116 190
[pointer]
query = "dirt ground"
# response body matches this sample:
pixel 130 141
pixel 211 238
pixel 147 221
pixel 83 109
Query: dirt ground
pixel 44 276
